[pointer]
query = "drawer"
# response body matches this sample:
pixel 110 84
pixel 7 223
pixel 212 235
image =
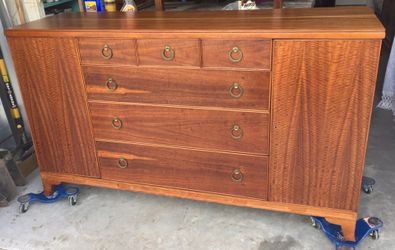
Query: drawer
pixel 167 52
pixel 237 53
pixel 107 51
pixel 207 129
pixel 230 89
pixel 187 169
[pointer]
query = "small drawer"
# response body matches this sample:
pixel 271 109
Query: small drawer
pixel 237 175
pixel 246 132
pixel 107 51
pixel 237 53
pixel 167 52
pixel 209 88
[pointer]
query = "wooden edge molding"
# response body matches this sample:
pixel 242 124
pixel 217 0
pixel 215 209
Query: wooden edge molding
pixel 202 34
pixel 50 179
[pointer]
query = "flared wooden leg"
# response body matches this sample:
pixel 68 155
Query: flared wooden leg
pixel 348 227
pixel 49 186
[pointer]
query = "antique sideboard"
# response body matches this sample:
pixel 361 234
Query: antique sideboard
pixel 262 109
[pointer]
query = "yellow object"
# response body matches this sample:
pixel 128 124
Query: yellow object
pixel 90 6
pixel 3 71
pixel 15 113
pixel 110 5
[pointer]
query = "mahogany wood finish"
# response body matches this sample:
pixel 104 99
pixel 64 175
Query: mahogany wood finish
pixel 319 132
pixel 187 169
pixel 250 53
pixel 183 52
pixel 325 23
pixel 93 51
pixel 297 133
pixel 343 215
pixel 212 88
pixel 185 127
pixel 55 102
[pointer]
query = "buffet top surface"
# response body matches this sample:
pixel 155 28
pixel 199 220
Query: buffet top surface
pixel 339 22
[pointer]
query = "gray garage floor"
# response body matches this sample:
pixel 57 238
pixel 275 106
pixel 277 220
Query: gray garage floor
pixel 110 219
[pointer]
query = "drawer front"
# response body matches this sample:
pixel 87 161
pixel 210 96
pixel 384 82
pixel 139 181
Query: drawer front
pixel 207 129
pixel 107 51
pixel 169 52
pixel 237 53
pixel 187 169
pixel 230 89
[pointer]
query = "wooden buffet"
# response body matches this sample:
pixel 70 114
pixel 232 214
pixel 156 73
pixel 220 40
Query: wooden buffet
pixel 264 109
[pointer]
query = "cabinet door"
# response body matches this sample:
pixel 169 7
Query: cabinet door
pixel 322 99
pixel 53 92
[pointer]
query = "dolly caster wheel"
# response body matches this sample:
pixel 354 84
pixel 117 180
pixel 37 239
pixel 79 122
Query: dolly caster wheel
pixel 73 200
pixel 72 193
pixel 23 207
pixel 368 189
pixel 314 223
pixel 24 203
pixel 375 235
pixel 367 184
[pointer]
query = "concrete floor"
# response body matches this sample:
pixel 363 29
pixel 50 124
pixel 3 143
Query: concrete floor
pixel 111 219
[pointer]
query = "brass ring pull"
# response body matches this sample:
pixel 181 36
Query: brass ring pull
pixel 122 163
pixel 235 51
pixel 236 132
pixel 106 52
pixel 116 123
pixel 111 85
pixel 236 91
pixel 165 53
pixel 237 175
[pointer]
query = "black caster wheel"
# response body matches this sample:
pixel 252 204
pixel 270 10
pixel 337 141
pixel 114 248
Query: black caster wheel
pixel 315 224
pixel 375 235
pixel 367 184
pixel 73 200
pixel 368 189
pixel 23 207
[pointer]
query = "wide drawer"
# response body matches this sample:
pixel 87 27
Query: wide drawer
pixel 169 52
pixel 107 51
pixel 197 128
pixel 187 169
pixel 237 53
pixel 213 88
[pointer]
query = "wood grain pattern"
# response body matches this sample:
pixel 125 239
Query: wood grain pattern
pixel 186 127
pixel 123 51
pixel 322 100
pixel 254 53
pixel 208 88
pixel 202 196
pixel 351 22
pixel 54 96
pixel 187 169
pixel 186 52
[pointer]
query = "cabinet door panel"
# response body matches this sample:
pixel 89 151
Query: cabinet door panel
pixel 53 92
pixel 322 100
